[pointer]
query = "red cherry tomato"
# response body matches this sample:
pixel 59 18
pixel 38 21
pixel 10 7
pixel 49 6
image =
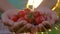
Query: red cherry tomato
pixel 29 20
pixel 27 10
pixel 14 18
pixel 37 14
pixel 21 13
pixel 39 20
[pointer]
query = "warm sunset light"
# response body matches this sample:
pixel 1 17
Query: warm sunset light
pixel 33 3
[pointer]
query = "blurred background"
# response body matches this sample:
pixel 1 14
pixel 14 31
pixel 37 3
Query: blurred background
pixel 21 4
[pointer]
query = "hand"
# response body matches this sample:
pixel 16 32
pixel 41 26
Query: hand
pixel 51 18
pixel 5 17
pixel 18 26
pixel 26 28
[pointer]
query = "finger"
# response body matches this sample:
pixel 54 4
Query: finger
pixel 18 25
pixel 25 27
pixel 34 29
pixel 20 19
pixel 52 21
pixel 47 24
pixel 6 20
pixel 4 17
pixel 41 28
pixel 54 16
pixel 30 27
pixel 9 23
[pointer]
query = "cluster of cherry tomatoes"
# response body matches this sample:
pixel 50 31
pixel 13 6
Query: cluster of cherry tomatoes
pixel 31 17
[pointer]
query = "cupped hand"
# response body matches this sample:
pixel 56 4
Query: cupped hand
pixel 52 17
pixel 18 26
pixel 6 19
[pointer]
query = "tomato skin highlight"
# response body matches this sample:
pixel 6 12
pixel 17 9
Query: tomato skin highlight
pixel 21 13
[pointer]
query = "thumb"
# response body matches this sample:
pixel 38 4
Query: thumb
pixel 6 20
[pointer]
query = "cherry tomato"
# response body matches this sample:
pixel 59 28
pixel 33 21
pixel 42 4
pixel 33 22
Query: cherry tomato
pixel 28 19
pixel 14 18
pixel 21 13
pixel 27 10
pixel 39 20
pixel 37 14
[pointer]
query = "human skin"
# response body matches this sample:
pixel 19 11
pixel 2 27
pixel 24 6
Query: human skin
pixel 42 9
pixel 8 8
